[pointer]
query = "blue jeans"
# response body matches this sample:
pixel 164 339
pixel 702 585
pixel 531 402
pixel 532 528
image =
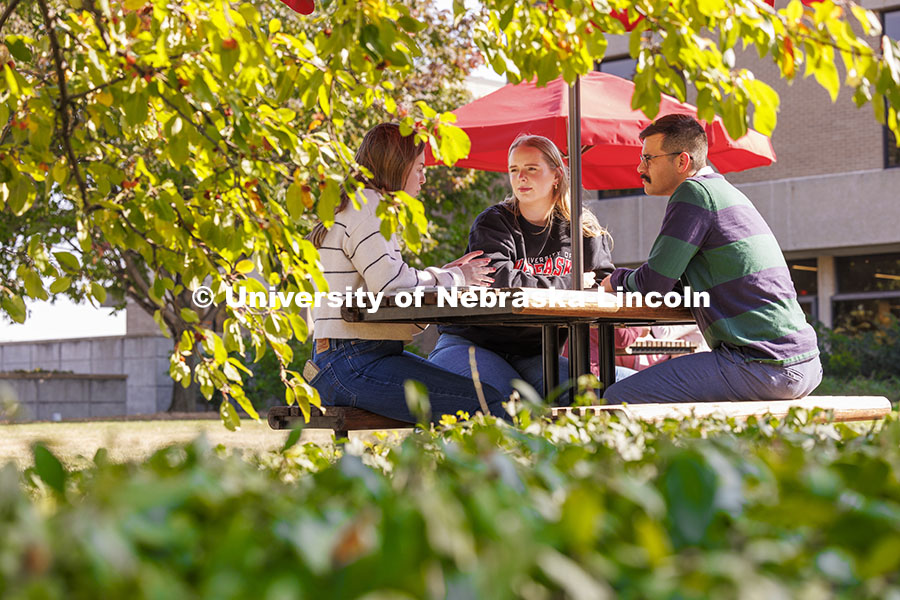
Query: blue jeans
pixel 722 375
pixel 499 369
pixel 370 374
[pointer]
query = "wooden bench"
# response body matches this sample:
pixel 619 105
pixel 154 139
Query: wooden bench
pixel 343 420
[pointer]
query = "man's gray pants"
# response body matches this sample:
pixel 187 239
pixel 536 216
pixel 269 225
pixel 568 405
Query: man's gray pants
pixel 722 375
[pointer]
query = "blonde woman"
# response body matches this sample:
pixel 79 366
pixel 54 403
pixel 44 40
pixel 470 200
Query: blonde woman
pixel 364 364
pixel 527 239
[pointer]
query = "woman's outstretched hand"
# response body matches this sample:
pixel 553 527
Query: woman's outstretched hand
pixel 475 270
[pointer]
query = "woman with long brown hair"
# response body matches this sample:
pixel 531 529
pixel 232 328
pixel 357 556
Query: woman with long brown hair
pixel 364 364
pixel 527 239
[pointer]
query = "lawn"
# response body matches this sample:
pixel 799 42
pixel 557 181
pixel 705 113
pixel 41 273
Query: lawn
pixel 76 443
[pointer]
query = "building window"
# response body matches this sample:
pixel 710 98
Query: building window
pixel 868 291
pixel 622 67
pixel 891 151
pixel 805 274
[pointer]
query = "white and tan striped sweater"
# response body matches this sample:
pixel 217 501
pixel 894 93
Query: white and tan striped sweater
pixel 355 255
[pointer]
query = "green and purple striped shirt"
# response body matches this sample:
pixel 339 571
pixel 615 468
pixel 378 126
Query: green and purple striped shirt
pixel 714 239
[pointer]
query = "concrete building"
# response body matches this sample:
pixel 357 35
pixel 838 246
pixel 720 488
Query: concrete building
pixel 92 377
pixel 831 198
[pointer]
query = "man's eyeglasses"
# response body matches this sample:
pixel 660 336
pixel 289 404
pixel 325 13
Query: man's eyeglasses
pixel 646 158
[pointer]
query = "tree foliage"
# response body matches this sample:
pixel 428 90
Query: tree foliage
pixel 180 143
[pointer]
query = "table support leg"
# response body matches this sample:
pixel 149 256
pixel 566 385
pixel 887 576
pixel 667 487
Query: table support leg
pixel 579 352
pixel 550 343
pixel 607 354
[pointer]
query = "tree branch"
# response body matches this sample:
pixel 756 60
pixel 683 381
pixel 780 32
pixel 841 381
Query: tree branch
pixel 98 21
pixel 6 13
pixel 135 277
pixel 96 88
pixel 63 110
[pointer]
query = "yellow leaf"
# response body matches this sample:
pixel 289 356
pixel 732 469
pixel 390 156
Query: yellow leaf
pixel 59 172
pixel 105 98
pixel 245 266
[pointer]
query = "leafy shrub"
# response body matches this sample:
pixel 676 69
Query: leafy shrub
pixel 860 386
pixel 871 353
pixel 476 509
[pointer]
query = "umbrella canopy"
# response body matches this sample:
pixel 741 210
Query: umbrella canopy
pixel 609 129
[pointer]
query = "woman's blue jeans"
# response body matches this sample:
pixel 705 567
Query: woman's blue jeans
pixel 370 374
pixel 495 369
pixel 499 369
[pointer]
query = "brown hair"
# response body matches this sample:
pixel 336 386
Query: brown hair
pixel 681 133
pixel 590 227
pixel 389 156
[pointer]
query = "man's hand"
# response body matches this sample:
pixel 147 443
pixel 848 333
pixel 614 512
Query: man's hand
pixel 606 284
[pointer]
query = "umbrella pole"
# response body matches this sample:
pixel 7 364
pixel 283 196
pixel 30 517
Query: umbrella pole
pixel 579 352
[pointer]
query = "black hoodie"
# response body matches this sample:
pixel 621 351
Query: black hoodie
pixel 526 255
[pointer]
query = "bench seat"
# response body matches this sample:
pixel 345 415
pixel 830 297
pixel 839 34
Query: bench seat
pixel 342 420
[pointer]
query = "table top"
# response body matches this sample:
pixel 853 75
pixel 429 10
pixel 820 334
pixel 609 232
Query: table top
pixel 514 306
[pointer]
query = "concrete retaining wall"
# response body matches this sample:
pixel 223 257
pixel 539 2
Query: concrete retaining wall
pixel 142 359
pixel 55 396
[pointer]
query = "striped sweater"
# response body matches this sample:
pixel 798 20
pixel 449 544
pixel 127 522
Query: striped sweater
pixel 714 239
pixel 355 255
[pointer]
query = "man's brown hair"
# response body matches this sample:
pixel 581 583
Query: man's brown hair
pixel 681 133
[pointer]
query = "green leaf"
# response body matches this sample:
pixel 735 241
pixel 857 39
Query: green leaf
pixel 15 308
pixel 49 469
pixel 328 201
pixel 454 143
pixel 220 354
pixel 690 489
pixel 229 416
pixel 826 74
pixel 245 404
pixel 298 325
pixel 292 438
pixel 21 195
pixel 294 199
pixel 189 316
pixel 34 287
pixel 60 173
pixel 68 261
pixel 137 108
pixel 324 102
pixel 20 52
pixel 60 285
pixel 98 292
pixel 11 80
pixel 411 25
pixel 766 101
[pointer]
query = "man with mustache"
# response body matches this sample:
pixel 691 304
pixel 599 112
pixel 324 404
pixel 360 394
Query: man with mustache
pixel 713 239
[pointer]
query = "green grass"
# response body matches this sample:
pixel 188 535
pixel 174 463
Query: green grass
pixel 860 386
pixel 76 443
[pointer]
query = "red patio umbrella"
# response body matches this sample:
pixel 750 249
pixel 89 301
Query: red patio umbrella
pixel 609 129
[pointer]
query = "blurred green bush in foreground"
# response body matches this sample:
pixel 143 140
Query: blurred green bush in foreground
pixel 598 508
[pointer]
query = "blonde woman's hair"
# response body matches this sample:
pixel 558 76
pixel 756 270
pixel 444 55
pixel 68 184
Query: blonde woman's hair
pixel 389 155
pixel 590 227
